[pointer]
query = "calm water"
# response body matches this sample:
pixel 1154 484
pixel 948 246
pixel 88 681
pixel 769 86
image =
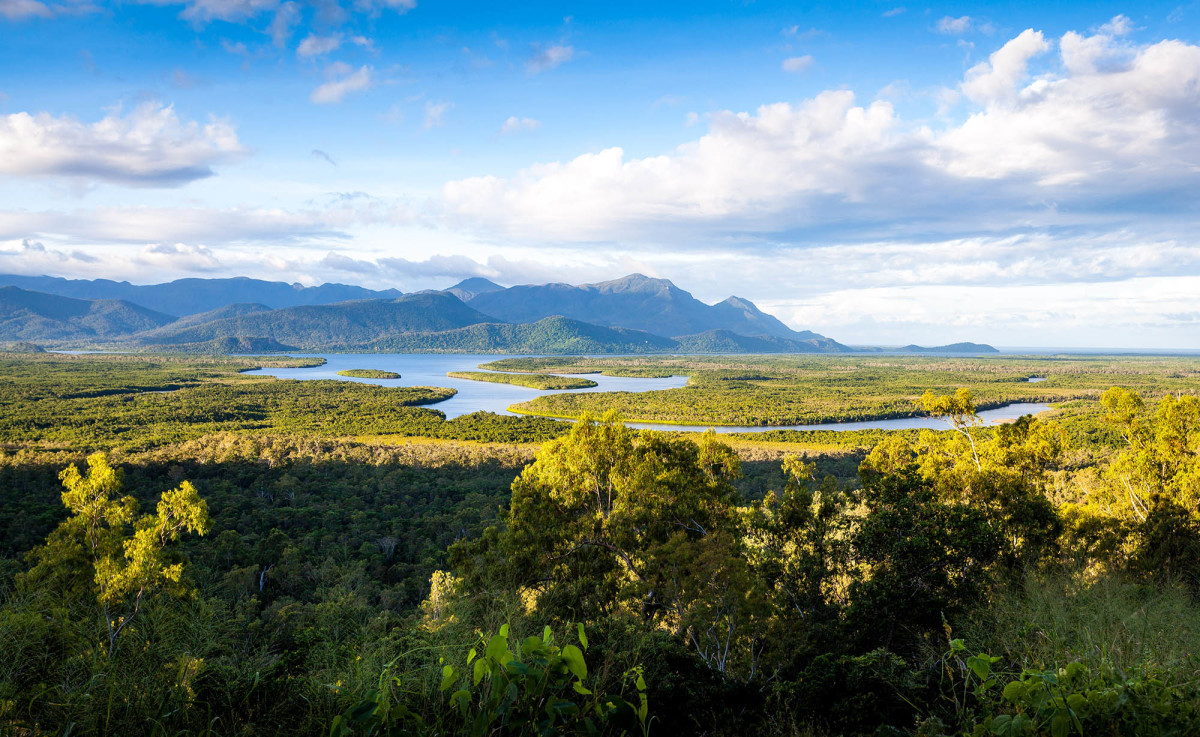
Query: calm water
pixel 430 370
pixel 1007 413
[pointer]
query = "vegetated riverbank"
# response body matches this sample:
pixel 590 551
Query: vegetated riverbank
pixel 811 390
pixel 368 374
pixel 532 381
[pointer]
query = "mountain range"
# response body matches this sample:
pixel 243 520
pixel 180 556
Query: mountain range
pixel 634 314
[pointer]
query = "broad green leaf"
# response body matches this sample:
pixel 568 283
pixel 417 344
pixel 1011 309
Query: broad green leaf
pixel 531 645
pixel 447 677
pixel 498 645
pixel 480 671
pixel 471 656
pixel 581 689
pixel 582 637
pixel 573 657
pixel 1014 691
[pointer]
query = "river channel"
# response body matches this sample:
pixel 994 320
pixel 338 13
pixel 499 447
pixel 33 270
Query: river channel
pixel 419 369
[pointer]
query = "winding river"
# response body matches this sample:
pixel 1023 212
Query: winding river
pixel 418 369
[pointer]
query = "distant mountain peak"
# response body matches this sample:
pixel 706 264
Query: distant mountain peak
pixel 633 283
pixel 472 287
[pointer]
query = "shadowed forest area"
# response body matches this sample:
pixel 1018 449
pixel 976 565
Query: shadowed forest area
pixel 255 556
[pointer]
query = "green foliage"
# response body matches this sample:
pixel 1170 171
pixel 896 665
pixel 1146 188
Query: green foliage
pixel 810 389
pixel 1069 700
pixel 925 558
pixel 773 602
pixel 126 568
pixel 368 374
pixel 548 335
pixel 102 402
pixel 533 381
pixel 536 687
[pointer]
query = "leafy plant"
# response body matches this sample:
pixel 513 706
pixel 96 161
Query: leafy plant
pixel 537 688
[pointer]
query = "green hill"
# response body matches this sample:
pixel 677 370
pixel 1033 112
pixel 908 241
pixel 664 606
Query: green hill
pixel 34 316
pixel 344 326
pixel 725 341
pixel 635 301
pixel 551 335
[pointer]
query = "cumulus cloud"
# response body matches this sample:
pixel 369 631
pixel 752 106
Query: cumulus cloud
pixel 315 45
pixel 797 64
pixel 343 80
pixel 1083 145
pixel 997 79
pixel 149 147
pixel 545 58
pixel 519 125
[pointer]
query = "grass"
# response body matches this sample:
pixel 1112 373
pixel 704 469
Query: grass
pixel 1054 620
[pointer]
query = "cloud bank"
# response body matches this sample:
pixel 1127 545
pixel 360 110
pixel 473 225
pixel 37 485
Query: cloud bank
pixel 1087 140
pixel 149 147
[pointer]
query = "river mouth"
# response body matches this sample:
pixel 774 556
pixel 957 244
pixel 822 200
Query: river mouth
pixel 475 396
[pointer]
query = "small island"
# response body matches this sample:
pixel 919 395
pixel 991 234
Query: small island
pixel 368 374
pixel 533 381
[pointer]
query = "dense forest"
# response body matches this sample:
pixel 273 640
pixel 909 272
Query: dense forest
pixel 185 549
pixel 808 389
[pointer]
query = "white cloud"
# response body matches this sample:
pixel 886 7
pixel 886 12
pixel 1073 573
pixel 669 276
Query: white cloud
pixel 545 58
pixel 519 125
pixel 797 64
pixel 178 257
pixel 1120 25
pixel 22 9
pixel 954 26
pixel 203 11
pixel 343 81
pixel 286 18
pixel 238 11
pixel 149 147
pixel 1032 153
pixel 434 112
pixel 318 45
pixel 996 80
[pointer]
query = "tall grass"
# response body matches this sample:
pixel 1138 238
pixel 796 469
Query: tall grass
pixel 1107 623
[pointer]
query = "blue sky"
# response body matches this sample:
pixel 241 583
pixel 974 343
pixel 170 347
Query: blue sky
pixel 1016 173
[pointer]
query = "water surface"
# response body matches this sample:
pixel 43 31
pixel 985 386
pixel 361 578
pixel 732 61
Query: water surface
pixel 417 369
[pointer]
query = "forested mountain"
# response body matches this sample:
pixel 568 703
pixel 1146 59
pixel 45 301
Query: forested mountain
pixel 951 348
pixel 726 341
pixel 348 325
pixel 34 316
pixel 634 314
pixel 190 296
pixel 634 301
pixel 549 335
